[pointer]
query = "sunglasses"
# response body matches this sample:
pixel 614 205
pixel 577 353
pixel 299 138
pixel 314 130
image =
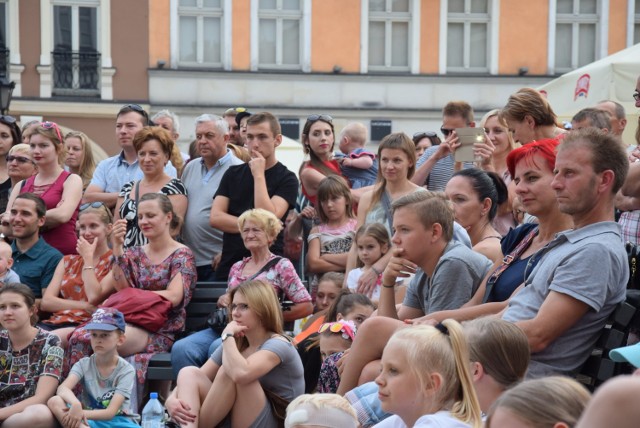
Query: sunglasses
pixel 96 204
pixel 53 125
pixel 425 134
pixel 9 120
pixel 134 107
pixel 19 159
pixel 323 117
pixel 446 131
pixel 235 110
pixel 347 328
pixel 636 96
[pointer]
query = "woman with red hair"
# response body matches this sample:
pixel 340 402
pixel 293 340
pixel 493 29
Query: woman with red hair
pixel 531 167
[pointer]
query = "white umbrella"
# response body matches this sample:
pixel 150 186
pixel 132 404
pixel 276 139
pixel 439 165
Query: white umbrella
pixel 611 78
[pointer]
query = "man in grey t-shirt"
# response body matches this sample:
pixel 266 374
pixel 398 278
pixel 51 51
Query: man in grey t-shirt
pixel 582 273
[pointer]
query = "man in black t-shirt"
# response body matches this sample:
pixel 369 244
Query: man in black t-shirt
pixel 263 182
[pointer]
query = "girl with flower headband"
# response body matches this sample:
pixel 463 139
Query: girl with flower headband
pixel 335 338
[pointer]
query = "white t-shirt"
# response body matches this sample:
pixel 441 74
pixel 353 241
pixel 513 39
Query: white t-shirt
pixel 442 419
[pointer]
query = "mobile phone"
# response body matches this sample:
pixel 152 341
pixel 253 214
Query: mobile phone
pixel 467 138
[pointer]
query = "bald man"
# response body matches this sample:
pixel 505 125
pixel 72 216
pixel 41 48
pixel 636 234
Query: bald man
pixel 617 113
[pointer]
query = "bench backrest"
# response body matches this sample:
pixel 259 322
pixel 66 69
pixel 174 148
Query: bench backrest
pixel 203 302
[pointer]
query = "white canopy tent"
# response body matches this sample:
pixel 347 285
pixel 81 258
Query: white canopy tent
pixel 290 153
pixel 611 78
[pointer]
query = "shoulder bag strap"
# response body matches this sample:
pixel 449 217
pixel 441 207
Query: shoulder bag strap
pixel 386 204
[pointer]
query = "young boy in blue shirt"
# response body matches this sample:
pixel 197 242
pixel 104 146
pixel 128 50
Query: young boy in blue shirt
pixel 107 380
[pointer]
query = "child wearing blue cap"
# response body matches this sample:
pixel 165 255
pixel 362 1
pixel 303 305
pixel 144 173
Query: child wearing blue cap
pixel 107 379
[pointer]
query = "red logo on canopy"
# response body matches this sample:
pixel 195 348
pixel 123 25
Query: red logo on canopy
pixel 582 87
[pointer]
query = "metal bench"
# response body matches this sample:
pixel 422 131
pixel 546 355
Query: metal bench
pixel 203 302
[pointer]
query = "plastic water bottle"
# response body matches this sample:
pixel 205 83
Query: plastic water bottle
pixel 153 413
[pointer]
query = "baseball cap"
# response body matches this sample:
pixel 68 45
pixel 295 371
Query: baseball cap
pixel 241 116
pixel 107 319
pixel 627 354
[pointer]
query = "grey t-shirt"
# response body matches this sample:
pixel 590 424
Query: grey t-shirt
pixel 456 278
pixel 587 264
pixel 287 378
pixel 98 391
pixel 202 185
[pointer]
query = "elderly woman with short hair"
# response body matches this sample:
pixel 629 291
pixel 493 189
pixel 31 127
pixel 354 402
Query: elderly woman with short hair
pixel 259 229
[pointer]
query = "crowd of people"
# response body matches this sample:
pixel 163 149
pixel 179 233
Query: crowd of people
pixel 431 292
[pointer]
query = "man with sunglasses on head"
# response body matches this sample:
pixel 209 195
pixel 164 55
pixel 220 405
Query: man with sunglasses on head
pixel 436 166
pixel 263 182
pixel 234 125
pixel 114 172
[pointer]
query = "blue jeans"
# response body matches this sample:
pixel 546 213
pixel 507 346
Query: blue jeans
pixel 194 349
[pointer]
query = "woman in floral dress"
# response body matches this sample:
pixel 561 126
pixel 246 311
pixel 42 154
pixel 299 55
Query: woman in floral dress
pixel 163 266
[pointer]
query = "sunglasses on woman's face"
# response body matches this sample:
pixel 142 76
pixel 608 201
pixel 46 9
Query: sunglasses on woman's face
pixel 19 159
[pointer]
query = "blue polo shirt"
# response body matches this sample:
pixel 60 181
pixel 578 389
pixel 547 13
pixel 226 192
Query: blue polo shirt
pixel 114 172
pixel 36 266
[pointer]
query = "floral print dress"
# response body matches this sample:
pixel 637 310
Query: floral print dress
pixel 72 288
pixel 141 273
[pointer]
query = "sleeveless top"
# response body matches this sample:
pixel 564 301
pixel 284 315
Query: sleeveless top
pixel 332 165
pixel 62 237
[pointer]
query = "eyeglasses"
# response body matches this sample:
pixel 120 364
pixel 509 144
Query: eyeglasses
pixel 347 328
pixel 323 117
pixel 53 125
pixel 137 108
pixel 96 204
pixel 636 96
pixel 425 134
pixel 234 110
pixel 239 306
pixel 9 120
pixel 19 159
pixel 446 131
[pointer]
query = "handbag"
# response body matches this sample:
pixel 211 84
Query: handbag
pixel 142 308
pixel 217 321
pixel 278 407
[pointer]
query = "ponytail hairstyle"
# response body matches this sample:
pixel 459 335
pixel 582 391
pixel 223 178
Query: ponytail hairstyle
pixel 500 347
pixel 442 349
pixel 378 232
pixel 398 141
pixel 486 184
pixel 529 102
pixel 165 206
pixel 543 403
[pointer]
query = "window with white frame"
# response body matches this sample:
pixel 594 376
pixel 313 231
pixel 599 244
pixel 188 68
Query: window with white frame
pixel 468 35
pixel 200 29
pixel 577 33
pixel 76 57
pixel 280 34
pixel 389 39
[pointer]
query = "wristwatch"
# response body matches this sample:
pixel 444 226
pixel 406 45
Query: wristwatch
pixel 226 336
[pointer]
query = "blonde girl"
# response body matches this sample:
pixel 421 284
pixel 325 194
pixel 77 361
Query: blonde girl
pixel 330 241
pixel 425 379
pixel 79 158
pixel 372 243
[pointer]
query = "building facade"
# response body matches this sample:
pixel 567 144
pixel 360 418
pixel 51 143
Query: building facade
pixel 392 64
